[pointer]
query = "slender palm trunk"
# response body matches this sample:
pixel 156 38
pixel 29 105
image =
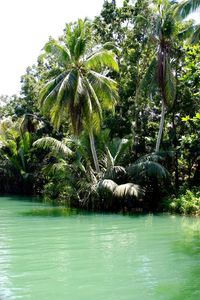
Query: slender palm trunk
pixel 160 132
pixel 94 153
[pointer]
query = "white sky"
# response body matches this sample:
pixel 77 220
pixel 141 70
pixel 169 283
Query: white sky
pixel 25 26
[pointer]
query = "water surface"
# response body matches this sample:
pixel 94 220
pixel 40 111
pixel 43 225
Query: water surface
pixel 48 256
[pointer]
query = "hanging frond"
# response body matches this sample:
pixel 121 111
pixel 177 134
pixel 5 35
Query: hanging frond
pixel 57 168
pixel 128 190
pixel 149 81
pixel 49 92
pixel 106 187
pixel 147 170
pixel 53 145
pixel 169 85
pixel 105 89
pixel 101 60
pixel 96 102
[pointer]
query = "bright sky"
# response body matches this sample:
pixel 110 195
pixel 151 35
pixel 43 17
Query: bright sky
pixel 25 26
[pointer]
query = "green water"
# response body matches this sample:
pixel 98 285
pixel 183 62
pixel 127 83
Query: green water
pixel 48 256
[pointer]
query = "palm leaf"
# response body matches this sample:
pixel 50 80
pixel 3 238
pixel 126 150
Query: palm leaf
pixel 187 7
pixel 196 35
pixel 147 169
pixel 149 81
pixel 122 148
pixel 169 84
pixel 61 52
pixel 116 173
pixel 112 47
pixel 101 60
pixel 106 187
pixel 128 190
pixel 53 145
pixel 105 89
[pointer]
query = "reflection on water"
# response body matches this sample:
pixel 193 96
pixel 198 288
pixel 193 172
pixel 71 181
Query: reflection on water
pixel 96 256
pixel 189 247
pixel 50 212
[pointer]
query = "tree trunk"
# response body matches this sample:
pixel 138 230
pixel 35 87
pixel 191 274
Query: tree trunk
pixel 160 132
pixel 93 149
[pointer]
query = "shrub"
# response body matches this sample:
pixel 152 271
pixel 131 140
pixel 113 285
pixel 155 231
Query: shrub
pixel 188 202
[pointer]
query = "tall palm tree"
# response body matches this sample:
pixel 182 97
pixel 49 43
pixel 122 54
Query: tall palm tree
pixel 81 89
pixel 160 72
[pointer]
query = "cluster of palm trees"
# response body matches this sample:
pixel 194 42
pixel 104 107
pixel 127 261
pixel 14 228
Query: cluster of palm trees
pixel 80 88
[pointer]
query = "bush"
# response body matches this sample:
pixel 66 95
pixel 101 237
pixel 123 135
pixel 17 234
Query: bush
pixel 188 202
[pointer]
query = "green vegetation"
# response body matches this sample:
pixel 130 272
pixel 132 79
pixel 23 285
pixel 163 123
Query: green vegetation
pixel 187 202
pixel 109 116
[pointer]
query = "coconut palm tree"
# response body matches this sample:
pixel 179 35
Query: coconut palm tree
pixel 159 73
pixel 164 33
pixel 81 88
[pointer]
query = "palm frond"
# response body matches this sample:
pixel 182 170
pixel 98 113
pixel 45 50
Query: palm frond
pixel 53 145
pixel 170 84
pixel 80 47
pixel 122 148
pixel 101 60
pixel 60 52
pixel 106 187
pixel 127 190
pixel 116 173
pixel 49 92
pixel 196 35
pixel 105 89
pixel 112 47
pixel 186 33
pixel 96 102
pixel 109 159
pixel 147 169
pixel 59 168
pixel 186 7
pixel 149 81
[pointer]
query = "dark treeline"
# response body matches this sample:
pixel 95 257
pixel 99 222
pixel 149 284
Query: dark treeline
pixel 109 116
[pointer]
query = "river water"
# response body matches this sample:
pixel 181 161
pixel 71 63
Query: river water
pixel 46 254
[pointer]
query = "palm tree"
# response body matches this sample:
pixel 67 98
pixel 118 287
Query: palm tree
pixel 81 89
pixel 159 73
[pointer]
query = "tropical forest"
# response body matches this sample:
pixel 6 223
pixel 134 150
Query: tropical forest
pixel 108 118
pixel 100 160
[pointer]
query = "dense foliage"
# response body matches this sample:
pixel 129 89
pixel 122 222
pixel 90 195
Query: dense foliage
pixel 109 116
